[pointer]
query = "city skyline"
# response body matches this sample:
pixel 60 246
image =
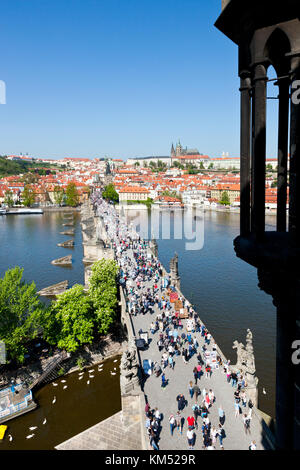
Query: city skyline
pixel 118 80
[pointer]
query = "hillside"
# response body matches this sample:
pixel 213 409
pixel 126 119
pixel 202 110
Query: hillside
pixel 10 167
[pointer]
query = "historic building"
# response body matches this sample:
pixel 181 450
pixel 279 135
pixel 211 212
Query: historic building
pixel 268 33
pixel 187 156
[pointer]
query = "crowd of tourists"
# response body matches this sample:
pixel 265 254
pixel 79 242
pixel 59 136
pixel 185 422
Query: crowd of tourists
pixel 178 333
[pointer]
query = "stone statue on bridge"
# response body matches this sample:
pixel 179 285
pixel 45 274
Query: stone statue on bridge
pixel 246 365
pixel 129 369
pixel 174 272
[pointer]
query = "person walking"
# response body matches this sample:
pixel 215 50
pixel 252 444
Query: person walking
pixel 211 397
pixel 199 370
pixel 179 421
pixel 153 440
pixel 195 372
pixel 191 422
pixel 246 421
pixel 196 391
pixel 163 381
pixel 252 445
pixel 195 409
pixel 181 402
pixel 213 434
pixel 184 351
pixel 237 409
pixel 191 389
pixel 221 415
pixel 208 371
pixel 243 398
pixel 207 401
pixel 190 438
pixel 221 435
pixel 250 406
pixel 171 362
pixel 172 422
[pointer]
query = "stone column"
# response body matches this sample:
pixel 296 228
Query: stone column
pixel 285 289
pixel 245 152
pixel 294 203
pixel 283 136
pixel 258 152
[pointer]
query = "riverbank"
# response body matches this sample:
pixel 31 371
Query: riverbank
pixel 60 209
pixel 106 348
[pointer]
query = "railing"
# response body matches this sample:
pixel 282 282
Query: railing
pixel 50 367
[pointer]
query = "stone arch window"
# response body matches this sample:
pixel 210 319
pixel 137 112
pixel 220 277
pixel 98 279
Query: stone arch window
pixel 275 50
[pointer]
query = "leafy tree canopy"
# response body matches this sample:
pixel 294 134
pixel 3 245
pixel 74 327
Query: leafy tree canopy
pixel 103 292
pixel 28 196
pixel 225 199
pixel 59 195
pixel 19 309
pixel 72 195
pixel 68 323
pixel 110 193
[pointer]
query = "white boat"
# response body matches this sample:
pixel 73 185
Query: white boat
pixel 3 211
pixel 24 211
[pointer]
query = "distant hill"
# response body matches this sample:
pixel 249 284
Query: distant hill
pixel 10 167
pixel 14 167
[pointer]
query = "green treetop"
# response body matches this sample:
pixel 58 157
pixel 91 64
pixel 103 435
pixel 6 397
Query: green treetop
pixel 8 199
pixel 110 193
pixel 72 195
pixel 103 292
pixel 225 199
pixel 19 308
pixel 69 322
pixel 28 196
pixel 59 195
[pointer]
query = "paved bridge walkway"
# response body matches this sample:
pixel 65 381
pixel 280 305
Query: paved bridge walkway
pixel 178 382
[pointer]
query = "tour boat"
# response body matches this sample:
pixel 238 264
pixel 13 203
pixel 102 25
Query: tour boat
pixel 24 211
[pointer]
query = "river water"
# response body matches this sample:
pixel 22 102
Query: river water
pixel 222 288
pixel 77 408
pixel 224 291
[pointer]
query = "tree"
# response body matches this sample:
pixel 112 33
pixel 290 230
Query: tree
pixel 110 193
pixel 178 165
pixel 69 322
pixel 201 166
pixel 59 195
pixel 28 196
pixel 30 178
pixel 152 165
pixel 19 309
pixel 210 166
pixel 103 293
pixel 274 184
pixel 137 164
pixel 225 199
pixel 72 195
pixel 8 199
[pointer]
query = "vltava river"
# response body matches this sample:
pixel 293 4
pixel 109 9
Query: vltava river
pixel 222 288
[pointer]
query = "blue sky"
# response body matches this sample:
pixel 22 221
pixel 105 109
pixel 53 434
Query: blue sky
pixel 121 78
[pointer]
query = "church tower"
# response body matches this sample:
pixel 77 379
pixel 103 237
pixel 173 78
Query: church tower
pixel 172 151
pixel 178 149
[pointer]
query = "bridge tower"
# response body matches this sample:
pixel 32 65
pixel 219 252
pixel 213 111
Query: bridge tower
pixel 268 33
